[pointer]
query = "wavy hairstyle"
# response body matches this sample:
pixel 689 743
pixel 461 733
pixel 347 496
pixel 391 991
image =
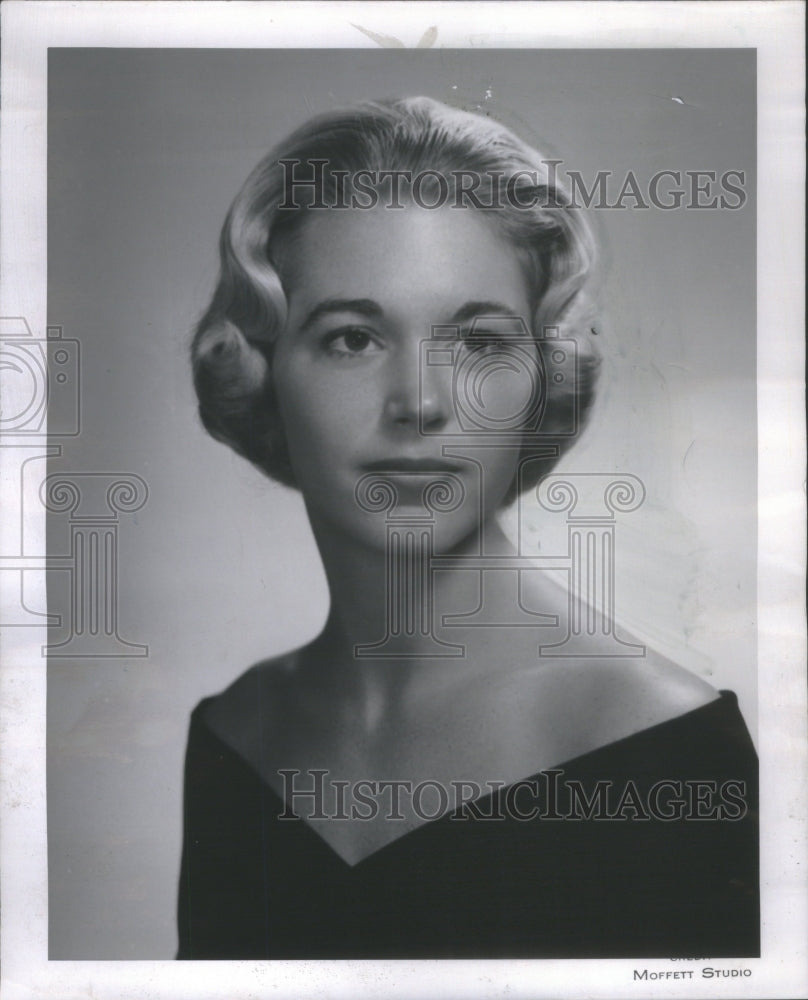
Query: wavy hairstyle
pixel 233 342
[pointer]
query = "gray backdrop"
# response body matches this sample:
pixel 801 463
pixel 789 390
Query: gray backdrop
pixel 218 569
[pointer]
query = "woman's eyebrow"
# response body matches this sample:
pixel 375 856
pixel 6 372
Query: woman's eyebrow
pixel 372 310
pixel 471 309
pixel 364 307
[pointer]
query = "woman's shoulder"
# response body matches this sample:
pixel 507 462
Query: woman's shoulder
pixel 241 714
pixel 708 744
pixel 586 703
pixel 606 691
pixel 652 689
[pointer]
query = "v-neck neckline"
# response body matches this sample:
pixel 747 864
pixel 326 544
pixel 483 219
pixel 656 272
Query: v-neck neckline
pixel 323 843
pixel 453 815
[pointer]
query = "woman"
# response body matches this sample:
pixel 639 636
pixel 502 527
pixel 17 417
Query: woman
pixel 401 331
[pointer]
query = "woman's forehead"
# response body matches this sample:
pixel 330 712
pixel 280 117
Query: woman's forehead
pixel 410 252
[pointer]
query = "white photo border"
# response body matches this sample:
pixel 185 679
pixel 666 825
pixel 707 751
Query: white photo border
pixel 774 29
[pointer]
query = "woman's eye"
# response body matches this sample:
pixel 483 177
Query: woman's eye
pixel 350 342
pixel 482 343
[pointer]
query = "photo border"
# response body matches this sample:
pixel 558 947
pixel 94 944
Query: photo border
pixel 774 29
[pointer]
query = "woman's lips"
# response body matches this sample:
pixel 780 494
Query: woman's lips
pixel 415 481
pixel 404 465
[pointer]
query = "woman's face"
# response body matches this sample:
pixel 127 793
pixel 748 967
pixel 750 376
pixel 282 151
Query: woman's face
pixel 365 290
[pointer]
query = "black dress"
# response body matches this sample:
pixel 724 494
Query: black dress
pixel 665 865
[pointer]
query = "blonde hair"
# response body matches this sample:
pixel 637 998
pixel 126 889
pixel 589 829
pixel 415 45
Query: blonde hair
pixel 233 342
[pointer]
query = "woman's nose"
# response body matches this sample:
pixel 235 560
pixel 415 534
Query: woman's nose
pixel 418 396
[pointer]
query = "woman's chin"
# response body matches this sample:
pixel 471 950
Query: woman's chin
pixel 408 535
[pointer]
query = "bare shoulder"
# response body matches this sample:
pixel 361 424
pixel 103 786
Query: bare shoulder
pixel 581 704
pixel 664 685
pixel 640 692
pixel 609 697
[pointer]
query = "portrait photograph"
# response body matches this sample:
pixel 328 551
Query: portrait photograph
pixel 402 552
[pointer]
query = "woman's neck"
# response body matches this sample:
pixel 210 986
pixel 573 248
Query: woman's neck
pixel 365 603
